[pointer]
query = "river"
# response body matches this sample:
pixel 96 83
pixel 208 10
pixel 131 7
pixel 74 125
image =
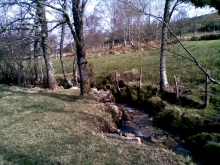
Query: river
pixel 143 126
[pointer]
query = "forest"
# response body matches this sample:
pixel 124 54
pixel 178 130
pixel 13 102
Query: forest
pixel 69 69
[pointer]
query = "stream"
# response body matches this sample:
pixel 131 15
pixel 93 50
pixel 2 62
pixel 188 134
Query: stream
pixel 143 126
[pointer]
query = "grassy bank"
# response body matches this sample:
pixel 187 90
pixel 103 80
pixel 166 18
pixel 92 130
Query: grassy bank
pixel 128 66
pixel 188 122
pixel 39 126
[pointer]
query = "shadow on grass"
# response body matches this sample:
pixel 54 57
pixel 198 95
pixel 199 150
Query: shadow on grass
pixel 61 96
pixel 12 157
pixel 30 107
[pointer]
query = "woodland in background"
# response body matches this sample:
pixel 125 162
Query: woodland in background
pixel 33 32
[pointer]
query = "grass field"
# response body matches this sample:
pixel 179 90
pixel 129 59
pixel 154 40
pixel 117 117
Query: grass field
pixel 43 127
pixel 128 65
pixel 39 126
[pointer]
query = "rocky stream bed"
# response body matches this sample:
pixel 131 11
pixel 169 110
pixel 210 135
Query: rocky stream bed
pixel 142 125
pixel 137 126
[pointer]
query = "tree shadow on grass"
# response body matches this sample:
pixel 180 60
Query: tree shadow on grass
pixel 14 157
pixel 64 97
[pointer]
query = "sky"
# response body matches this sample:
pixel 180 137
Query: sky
pixel 194 12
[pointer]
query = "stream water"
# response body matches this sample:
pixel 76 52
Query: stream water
pixel 143 126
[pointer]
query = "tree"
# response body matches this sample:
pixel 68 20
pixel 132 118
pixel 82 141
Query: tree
pixel 31 24
pixel 166 18
pixel 51 80
pixel 163 76
pixel 78 8
pixel 165 21
pixel 76 26
pixel 61 50
pixel 180 22
pixel 202 3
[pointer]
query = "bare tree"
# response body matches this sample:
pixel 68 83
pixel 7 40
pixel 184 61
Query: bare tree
pixel 70 84
pixel 33 22
pixel 163 76
pixel 51 80
pixel 179 22
pixel 165 21
pixel 78 8
pixel 76 28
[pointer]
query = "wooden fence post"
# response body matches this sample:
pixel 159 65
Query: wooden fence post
pixel 140 80
pixel 207 90
pixel 176 86
pixel 116 81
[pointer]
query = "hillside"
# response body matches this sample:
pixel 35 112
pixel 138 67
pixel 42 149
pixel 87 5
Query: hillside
pixel 197 25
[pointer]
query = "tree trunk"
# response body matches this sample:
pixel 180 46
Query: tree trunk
pixel 51 80
pixel 75 75
pixel 70 84
pixel 207 90
pixel 83 70
pixel 61 57
pixel 36 43
pixel 78 12
pixel 163 76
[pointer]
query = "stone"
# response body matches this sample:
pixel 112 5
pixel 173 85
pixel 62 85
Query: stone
pixel 74 88
pixel 129 135
pixel 123 138
pixel 105 96
pixel 94 90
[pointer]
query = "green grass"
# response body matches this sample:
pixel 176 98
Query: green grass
pixel 39 126
pixel 206 52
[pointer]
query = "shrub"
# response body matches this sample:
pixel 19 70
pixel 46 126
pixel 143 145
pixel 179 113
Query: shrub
pixel 200 141
pixel 156 104
pixel 207 145
pixel 182 120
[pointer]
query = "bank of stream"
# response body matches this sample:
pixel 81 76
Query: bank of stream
pixel 143 126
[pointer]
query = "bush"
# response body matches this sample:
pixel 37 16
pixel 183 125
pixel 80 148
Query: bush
pixel 207 145
pixel 177 119
pixel 156 104
pixel 203 140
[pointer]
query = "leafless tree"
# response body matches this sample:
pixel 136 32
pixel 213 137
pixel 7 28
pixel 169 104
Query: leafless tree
pixel 33 22
pixel 168 11
pixel 51 79
pixel 70 84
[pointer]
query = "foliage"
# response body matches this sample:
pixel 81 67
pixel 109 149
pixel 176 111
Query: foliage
pixel 156 104
pixel 196 26
pixel 211 3
pixel 207 145
pixel 204 139
pixel 185 121
pixel 210 26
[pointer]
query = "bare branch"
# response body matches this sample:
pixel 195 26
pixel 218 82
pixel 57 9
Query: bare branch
pixel 188 52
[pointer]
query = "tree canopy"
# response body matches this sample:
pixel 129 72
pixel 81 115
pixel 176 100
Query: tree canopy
pixel 202 3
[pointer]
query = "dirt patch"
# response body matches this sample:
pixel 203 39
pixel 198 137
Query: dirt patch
pixel 102 125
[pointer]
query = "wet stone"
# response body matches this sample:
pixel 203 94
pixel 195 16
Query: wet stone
pixel 142 125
